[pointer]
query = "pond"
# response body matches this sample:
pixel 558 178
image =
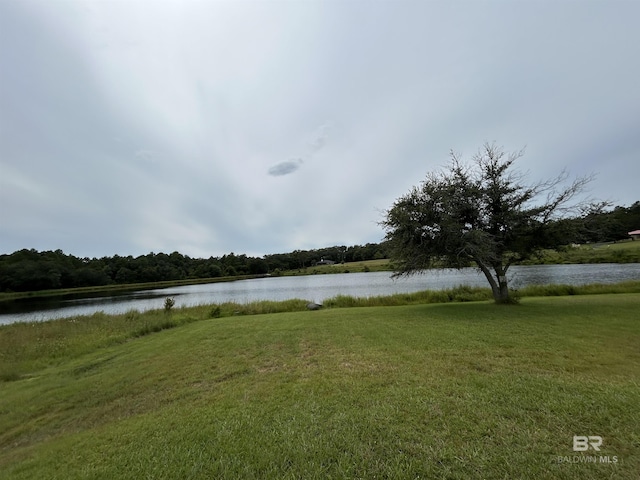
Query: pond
pixel 314 288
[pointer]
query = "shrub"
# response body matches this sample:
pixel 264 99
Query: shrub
pixel 168 304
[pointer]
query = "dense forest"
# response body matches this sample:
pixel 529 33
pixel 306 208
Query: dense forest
pixel 599 224
pixel 30 270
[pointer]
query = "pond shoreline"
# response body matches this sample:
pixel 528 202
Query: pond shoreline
pixel 312 288
pixel 115 289
pixel 621 252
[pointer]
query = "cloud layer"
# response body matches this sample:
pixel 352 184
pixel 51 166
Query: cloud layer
pixel 264 127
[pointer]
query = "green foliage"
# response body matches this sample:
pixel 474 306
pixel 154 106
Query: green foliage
pixel 480 213
pixel 169 304
pixel 30 270
pixel 601 224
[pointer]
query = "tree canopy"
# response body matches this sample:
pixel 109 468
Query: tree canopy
pixel 30 270
pixel 482 214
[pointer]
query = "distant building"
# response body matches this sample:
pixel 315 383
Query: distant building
pixel 325 262
pixel 635 235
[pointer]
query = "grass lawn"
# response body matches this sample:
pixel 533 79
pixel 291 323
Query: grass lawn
pixel 382 265
pixel 626 251
pixel 459 390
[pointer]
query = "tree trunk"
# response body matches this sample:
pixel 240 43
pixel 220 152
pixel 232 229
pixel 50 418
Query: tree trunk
pixel 499 285
pixel 501 295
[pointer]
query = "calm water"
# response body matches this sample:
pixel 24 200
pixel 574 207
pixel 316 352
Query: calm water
pixel 315 288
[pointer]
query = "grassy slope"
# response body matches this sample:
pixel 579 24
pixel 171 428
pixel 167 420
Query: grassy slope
pixel 382 265
pixel 468 390
pixel 620 252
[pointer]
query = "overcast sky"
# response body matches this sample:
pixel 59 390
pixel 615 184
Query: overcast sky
pixel 258 127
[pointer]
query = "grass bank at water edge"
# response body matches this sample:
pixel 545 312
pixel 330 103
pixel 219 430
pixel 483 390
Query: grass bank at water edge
pixel 457 391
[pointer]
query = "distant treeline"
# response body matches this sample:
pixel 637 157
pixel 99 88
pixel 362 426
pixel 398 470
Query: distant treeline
pixel 30 270
pixel 599 224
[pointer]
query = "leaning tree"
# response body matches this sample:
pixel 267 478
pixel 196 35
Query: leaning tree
pixel 481 214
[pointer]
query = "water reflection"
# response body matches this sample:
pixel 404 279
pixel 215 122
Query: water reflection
pixel 314 288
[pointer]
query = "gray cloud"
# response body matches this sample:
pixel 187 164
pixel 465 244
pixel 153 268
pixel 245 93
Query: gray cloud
pixel 285 168
pixel 315 145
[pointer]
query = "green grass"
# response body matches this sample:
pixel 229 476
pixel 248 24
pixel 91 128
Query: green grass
pixel 457 390
pixel 382 265
pixel 27 347
pixel 627 251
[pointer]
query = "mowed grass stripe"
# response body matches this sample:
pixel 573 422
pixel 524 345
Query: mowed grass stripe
pixel 470 390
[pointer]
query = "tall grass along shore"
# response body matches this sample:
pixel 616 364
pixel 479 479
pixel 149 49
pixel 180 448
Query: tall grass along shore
pixel 418 389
